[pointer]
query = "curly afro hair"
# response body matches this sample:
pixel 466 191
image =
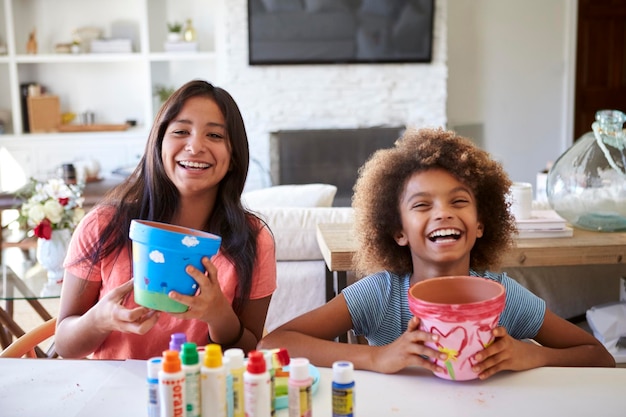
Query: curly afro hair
pixel 382 181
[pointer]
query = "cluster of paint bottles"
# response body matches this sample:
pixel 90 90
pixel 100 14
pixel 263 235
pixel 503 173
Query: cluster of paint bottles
pixel 191 382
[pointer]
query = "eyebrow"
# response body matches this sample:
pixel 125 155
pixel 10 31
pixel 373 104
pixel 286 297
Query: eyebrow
pixel 453 191
pixel 187 121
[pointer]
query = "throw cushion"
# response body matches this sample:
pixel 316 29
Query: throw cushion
pixel 295 229
pixel 305 195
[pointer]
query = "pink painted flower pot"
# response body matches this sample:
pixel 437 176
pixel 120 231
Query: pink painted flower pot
pixel 463 311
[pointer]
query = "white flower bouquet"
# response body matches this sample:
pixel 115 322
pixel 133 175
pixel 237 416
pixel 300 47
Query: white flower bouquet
pixel 50 205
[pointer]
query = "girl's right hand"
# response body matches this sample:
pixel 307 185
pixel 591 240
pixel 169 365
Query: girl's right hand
pixel 408 350
pixel 114 316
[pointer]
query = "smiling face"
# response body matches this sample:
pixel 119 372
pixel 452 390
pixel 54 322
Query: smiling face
pixel 196 151
pixel 439 223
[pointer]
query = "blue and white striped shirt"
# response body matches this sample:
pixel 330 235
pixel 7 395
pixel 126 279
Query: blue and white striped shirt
pixel 379 307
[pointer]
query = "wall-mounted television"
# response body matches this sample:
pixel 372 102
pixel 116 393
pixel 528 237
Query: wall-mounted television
pixel 339 31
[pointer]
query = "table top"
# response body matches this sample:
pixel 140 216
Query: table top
pixel 337 245
pixel 106 388
pixel 25 283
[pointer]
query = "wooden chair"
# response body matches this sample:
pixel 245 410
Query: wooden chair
pixel 26 344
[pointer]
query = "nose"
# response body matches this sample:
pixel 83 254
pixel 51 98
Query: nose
pixel 194 145
pixel 442 212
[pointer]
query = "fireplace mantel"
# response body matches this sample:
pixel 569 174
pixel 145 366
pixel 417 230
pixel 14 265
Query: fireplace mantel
pixel 330 156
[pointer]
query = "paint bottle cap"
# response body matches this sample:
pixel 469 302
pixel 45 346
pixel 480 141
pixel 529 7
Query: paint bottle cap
pixel 177 340
pixel 236 357
pixel 256 362
pixel 154 366
pixel 343 372
pixel 189 354
pixel 281 357
pixel 171 361
pixel 299 369
pixel 213 356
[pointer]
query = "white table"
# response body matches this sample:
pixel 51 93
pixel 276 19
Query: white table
pixel 60 387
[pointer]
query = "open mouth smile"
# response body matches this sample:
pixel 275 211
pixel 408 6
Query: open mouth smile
pixel 194 165
pixel 444 235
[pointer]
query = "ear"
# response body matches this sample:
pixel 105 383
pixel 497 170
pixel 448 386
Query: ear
pixel 480 230
pixel 401 239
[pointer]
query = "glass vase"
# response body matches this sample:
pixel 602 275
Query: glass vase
pixel 587 184
pixel 51 254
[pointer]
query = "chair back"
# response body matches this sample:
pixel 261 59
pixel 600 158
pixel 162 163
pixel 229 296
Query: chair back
pixel 27 344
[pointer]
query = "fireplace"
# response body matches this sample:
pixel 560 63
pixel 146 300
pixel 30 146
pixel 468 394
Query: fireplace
pixel 330 156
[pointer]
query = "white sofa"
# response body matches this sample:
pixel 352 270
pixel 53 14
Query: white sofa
pixel 292 212
pixel 568 291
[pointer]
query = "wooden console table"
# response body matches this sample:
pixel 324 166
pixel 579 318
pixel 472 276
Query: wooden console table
pixel 337 245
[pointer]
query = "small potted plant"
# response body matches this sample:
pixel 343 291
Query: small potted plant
pixel 174 32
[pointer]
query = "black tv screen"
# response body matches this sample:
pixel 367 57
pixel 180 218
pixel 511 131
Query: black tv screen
pixel 339 31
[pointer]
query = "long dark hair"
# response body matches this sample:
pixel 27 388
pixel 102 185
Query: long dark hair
pixel 149 194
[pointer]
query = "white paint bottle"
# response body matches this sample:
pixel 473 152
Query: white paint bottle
pixel 257 386
pixel 237 369
pixel 172 385
pixel 299 388
pixel 152 380
pixel 191 367
pixel 213 382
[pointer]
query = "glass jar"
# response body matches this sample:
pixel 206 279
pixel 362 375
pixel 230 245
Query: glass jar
pixel 587 184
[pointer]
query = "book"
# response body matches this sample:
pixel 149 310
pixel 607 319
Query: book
pixel 542 220
pixel 566 231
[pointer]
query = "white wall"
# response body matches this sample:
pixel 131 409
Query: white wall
pixel 511 68
pixel 326 96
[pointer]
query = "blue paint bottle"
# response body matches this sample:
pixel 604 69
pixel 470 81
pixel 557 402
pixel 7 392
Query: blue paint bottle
pixel 343 389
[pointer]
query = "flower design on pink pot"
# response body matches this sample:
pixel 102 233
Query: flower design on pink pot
pixel 463 310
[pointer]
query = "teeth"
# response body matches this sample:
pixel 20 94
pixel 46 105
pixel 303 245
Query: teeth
pixel 444 232
pixel 190 164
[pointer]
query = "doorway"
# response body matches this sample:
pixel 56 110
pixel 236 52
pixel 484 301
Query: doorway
pixel 600 61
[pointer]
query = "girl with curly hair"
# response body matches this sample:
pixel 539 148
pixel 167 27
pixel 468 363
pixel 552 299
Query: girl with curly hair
pixel 433 205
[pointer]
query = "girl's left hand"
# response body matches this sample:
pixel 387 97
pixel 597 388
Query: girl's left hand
pixel 505 353
pixel 208 300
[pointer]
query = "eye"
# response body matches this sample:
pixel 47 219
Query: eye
pixel 460 201
pixel 420 205
pixel 215 136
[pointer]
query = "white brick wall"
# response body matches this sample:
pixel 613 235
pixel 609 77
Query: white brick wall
pixel 282 97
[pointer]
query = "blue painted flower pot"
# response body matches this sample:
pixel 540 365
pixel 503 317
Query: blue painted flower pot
pixel 161 252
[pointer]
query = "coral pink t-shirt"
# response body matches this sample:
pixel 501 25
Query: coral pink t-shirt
pixel 116 269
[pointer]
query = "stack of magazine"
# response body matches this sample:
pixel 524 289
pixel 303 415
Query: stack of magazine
pixel 543 224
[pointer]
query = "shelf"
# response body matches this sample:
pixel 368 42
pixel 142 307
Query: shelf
pixel 74 58
pixel 181 56
pixel 116 87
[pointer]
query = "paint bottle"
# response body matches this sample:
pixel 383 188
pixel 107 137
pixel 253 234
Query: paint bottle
pixel 154 366
pixel 191 367
pixel 343 389
pixel 230 410
pixel 171 385
pixel 177 340
pixel 299 388
pixel 269 366
pixel 257 386
pixel 280 358
pixel 237 369
pixel 213 382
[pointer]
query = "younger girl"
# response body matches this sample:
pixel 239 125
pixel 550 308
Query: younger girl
pixel 433 205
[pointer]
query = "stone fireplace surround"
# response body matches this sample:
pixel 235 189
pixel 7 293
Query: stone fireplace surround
pixel 329 156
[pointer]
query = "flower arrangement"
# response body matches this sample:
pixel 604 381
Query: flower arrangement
pixel 50 205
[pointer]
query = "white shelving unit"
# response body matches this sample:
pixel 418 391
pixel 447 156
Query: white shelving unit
pixel 116 87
